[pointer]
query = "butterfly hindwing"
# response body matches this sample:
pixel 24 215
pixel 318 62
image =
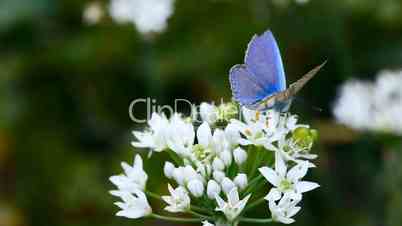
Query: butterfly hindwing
pixel 246 90
pixel 263 60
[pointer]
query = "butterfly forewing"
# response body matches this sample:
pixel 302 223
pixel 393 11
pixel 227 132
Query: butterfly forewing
pixel 263 60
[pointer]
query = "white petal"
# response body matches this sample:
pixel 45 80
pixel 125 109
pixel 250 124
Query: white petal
pixel 221 203
pixel 233 196
pixel 304 186
pixel 273 195
pixel 293 211
pixel 285 220
pixel 270 175
pixel 298 171
pixel 280 165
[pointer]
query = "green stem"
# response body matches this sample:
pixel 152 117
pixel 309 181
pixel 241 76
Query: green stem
pixel 254 204
pixel 256 220
pixel 175 219
pixel 201 209
pixel 252 183
pixel 258 157
pixel 153 195
pixel 204 217
pixel 192 207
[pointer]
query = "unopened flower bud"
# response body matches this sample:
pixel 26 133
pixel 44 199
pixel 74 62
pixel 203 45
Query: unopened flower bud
pixel 213 189
pixel 241 181
pixel 240 155
pixel 178 175
pixel 226 157
pixel 196 188
pixel 227 185
pixel 168 169
pixel 218 164
pixel 227 111
pixel 218 176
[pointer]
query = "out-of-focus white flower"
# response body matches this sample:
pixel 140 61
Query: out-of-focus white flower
pixel 213 189
pixel 135 204
pixel 196 187
pixel 302 1
pixel 147 15
pixel 233 207
pixel 284 210
pixel 168 169
pixel 93 13
pixel 209 113
pixel 227 185
pixel 206 223
pixel 372 106
pixel 287 182
pixel 134 176
pixel 178 201
pixel 241 181
pixel 155 138
pixel 240 155
pixel 353 106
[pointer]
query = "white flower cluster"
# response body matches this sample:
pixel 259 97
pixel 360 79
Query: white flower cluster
pixel 217 166
pixel 372 106
pixel 146 15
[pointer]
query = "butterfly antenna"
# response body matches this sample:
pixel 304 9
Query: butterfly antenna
pixel 301 100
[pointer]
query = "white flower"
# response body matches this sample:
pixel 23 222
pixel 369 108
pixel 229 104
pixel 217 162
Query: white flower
pixel 92 13
pixel 134 178
pixel 241 181
pixel 147 15
pixel 178 201
pixel 260 128
pixel 372 106
pixel 181 135
pixel 240 155
pixel 233 207
pixel 287 182
pixel 168 169
pixel 227 185
pixel 155 139
pixel 196 188
pixel 206 223
pixel 290 150
pixel 213 189
pixel 135 204
pixel 353 107
pixel 284 210
pixel 209 113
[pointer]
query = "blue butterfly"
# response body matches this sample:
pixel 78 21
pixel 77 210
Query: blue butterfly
pixel 260 83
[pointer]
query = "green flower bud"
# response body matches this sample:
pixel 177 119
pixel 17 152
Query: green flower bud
pixel 227 111
pixel 304 137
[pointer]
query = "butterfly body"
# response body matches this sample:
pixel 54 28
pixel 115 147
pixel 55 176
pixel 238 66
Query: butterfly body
pixel 260 83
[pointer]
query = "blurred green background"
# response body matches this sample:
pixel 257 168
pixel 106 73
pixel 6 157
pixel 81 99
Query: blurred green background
pixel 65 88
